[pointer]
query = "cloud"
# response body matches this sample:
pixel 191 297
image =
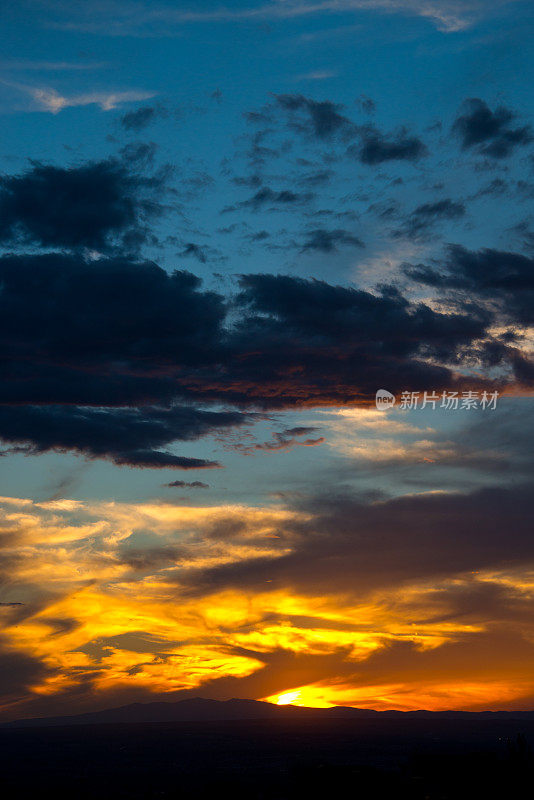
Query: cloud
pixel 201 253
pixel 78 207
pixel 128 437
pixel 495 188
pixel 141 118
pixel 317 178
pixel 359 547
pixel 185 485
pixel 377 148
pixel 18 673
pixel 325 120
pixel 506 438
pixel 497 283
pixel 317 75
pixel 267 196
pixel 53 66
pixel 502 280
pixel 338 337
pixel 140 326
pixel 491 441
pixel 489 132
pixel 283 441
pixel 146 337
pixel 126 19
pixel 104 349
pixel 366 104
pixel 327 241
pixel 149 337
pixel 425 216
pixel 68 363
pixel 321 118
pixel 341 596
pixel 51 100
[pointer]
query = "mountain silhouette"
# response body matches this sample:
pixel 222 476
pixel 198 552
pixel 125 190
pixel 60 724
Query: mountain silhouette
pixel 201 709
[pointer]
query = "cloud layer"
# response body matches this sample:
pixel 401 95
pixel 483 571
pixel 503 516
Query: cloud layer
pixel 389 603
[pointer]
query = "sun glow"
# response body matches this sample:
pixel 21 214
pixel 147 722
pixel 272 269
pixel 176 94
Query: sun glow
pixel 288 698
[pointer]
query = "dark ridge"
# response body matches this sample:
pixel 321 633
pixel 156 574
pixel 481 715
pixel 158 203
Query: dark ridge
pixel 201 709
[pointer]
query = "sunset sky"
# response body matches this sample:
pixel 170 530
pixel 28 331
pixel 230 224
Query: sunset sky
pixel 223 228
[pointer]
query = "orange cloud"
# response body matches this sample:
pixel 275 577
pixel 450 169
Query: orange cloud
pixel 91 614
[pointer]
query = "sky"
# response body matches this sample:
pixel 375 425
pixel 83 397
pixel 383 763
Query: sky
pixel 223 229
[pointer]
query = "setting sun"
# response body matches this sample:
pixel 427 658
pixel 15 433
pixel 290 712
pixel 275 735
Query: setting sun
pixel 288 698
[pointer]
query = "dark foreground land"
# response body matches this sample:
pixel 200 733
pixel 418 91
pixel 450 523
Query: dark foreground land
pixel 284 759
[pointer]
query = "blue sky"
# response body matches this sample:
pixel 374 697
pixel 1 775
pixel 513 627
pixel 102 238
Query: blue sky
pixel 202 77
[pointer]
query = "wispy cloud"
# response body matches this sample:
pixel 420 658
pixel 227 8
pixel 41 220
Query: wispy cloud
pixel 138 19
pixel 51 66
pixel 317 75
pixel 49 99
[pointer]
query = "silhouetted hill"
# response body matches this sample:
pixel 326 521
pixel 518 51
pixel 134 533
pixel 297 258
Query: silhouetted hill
pixel 201 709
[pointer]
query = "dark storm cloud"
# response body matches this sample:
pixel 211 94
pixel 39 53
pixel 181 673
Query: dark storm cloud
pixel 425 216
pixel 18 673
pixel 125 436
pixel 107 332
pixel 80 207
pixel 377 148
pixel 327 241
pixel 305 342
pixel 500 279
pixel 69 328
pixel 321 119
pixel 490 133
pixel 116 332
pixel 358 547
pixel 324 120
pixel 339 313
